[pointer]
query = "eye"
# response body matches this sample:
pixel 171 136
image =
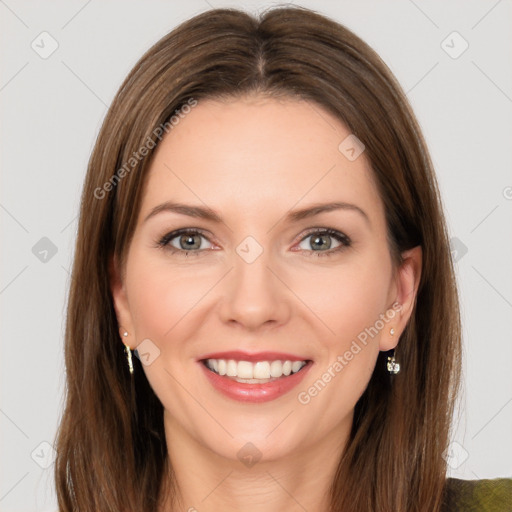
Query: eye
pixel 188 241
pixel 320 243
pixel 184 241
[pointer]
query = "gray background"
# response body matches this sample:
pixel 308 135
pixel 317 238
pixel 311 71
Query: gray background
pixel 52 108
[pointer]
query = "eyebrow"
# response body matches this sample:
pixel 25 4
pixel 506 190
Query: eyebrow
pixel 206 213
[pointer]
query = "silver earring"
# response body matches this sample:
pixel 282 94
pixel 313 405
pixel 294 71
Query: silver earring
pixel 128 356
pixel 392 365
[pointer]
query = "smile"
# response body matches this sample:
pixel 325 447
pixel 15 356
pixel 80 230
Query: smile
pixel 254 373
pixel 254 377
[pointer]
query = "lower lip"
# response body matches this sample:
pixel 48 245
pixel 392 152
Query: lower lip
pixel 254 393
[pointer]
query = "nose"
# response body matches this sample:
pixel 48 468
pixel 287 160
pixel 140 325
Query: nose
pixel 255 295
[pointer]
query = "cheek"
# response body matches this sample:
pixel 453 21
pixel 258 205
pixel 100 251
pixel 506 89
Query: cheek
pixel 164 301
pixel 161 296
pixel 347 299
pixel 351 307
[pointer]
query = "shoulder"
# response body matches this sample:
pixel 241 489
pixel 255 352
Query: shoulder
pixel 487 495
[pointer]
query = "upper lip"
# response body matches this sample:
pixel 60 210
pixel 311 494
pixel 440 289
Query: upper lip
pixel 239 355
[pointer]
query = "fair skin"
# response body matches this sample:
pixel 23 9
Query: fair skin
pixel 254 160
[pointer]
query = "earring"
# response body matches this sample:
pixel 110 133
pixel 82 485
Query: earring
pixel 128 356
pixel 392 366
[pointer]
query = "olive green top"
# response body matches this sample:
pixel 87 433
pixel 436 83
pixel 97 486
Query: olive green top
pixel 489 495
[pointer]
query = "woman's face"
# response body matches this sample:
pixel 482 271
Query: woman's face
pixel 259 280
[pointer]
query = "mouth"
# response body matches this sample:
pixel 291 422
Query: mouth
pixel 259 372
pixel 254 378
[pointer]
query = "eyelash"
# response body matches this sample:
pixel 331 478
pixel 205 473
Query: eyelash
pixel 344 240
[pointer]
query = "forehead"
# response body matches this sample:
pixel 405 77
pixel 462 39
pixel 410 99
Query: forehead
pixel 257 154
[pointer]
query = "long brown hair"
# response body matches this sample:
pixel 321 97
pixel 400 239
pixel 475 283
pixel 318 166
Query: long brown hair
pixel 111 449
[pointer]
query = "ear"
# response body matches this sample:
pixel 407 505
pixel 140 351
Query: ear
pixel 406 288
pixel 121 305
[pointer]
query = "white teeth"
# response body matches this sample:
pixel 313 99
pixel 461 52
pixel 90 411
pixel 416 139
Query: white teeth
pixel 244 370
pixel 296 366
pixel 276 369
pixel 231 368
pixel 259 372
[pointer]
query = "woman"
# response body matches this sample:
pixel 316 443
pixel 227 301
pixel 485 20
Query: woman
pixel 263 312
